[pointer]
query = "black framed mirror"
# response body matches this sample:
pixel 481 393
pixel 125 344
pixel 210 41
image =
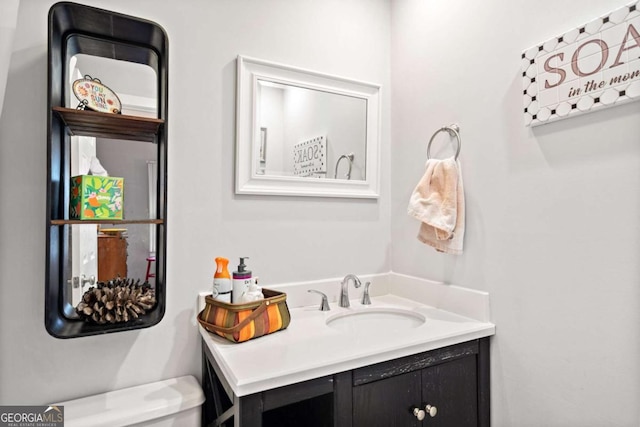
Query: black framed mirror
pixel 78 34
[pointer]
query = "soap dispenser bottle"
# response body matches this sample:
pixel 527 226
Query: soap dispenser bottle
pixel 222 281
pixel 241 281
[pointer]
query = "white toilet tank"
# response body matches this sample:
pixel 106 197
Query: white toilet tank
pixel 171 403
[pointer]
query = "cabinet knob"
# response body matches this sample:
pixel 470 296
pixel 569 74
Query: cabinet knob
pixel 419 413
pixel 431 410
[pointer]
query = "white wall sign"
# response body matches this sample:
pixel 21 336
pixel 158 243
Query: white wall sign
pixel 591 67
pixel 310 158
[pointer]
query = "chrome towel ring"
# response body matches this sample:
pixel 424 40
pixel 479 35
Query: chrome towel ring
pixel 453 130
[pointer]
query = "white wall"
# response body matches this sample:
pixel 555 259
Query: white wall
pixel 288 239
pixel 553 213
pixel 8 17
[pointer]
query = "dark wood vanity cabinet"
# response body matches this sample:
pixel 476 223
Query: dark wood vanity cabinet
pixel 387 402
pixel 454 380
pixel 449 389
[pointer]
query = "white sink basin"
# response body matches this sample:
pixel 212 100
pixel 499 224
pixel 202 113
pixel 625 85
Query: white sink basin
pixel 376 320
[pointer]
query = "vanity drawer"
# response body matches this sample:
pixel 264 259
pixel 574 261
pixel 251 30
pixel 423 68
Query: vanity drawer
pixel 414 362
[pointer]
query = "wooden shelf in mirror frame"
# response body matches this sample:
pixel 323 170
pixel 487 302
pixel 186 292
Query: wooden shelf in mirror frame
pixel 123 221
pixel 107 125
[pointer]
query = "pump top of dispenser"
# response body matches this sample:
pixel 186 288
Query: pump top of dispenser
pixel 242 267
pixel 242 272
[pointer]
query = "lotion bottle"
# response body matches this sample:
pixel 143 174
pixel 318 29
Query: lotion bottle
pixel 241 282
pixel 222 281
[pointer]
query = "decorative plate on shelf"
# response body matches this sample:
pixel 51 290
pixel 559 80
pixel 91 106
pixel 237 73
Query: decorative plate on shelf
pixel 94 95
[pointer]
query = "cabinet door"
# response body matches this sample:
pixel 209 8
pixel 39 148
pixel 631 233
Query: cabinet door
pixel 388 402
pixel 452 388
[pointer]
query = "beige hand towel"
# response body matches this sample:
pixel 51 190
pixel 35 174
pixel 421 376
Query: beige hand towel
pixel 438 202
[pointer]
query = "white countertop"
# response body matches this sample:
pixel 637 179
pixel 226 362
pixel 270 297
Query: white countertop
pixel 309 348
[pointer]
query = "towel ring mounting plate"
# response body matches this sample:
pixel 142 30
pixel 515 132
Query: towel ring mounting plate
pixel 453 130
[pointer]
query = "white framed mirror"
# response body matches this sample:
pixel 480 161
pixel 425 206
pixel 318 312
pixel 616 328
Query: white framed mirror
pixel 305 133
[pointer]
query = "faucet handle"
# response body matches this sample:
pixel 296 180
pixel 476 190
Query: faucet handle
pixel 324 305
pixel 365 295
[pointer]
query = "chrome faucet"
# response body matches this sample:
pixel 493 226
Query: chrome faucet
pixel 344 294
pixel 324 304
pixel 366 299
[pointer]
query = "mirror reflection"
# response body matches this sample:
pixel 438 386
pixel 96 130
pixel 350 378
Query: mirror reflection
pixel 310 133
pixel 135 84
pixel 106 251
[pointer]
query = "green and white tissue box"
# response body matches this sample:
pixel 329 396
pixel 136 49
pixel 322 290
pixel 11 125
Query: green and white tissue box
pixel 96 197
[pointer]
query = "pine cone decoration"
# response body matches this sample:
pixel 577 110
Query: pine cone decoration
pixel 116 301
